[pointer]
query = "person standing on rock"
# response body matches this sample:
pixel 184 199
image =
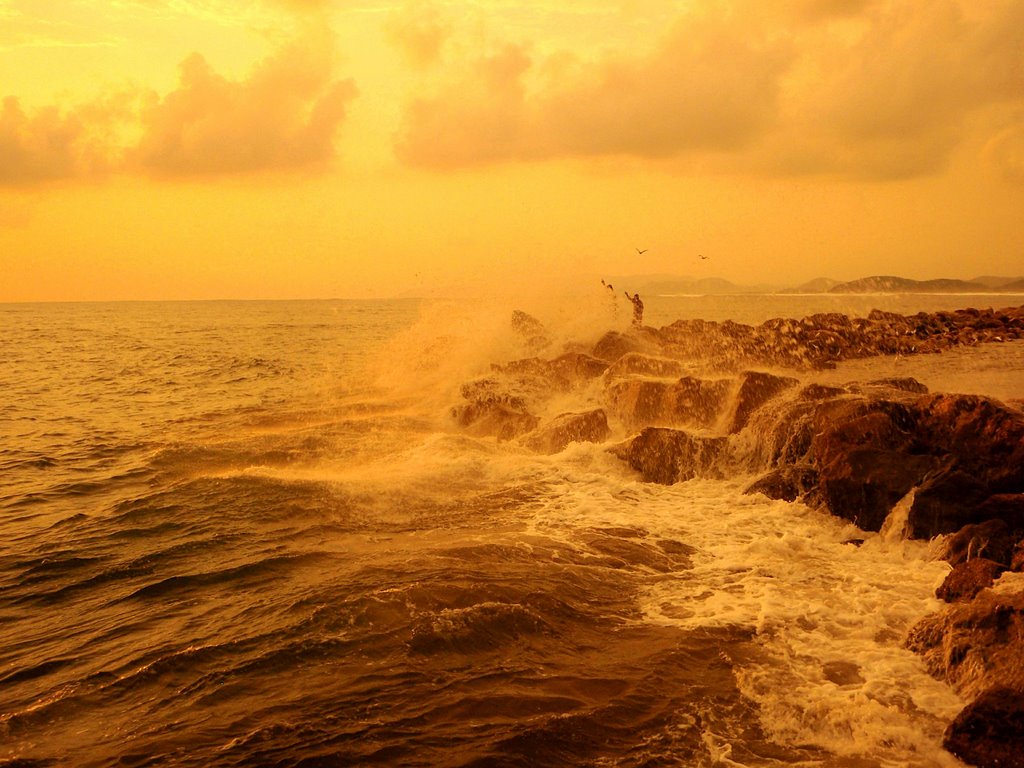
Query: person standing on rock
pixel 638 308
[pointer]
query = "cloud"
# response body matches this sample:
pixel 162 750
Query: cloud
pixel 419 32
pixel 50 144
pixel 709 86
pixel 875 89
pixel 1005 151
pixel 283 117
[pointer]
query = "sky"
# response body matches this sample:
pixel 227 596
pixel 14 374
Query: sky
pixel 202 149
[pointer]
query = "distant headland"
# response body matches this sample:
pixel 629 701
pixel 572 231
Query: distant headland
pixel 668 285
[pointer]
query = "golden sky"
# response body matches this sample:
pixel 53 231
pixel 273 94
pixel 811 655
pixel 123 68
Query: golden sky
pixel 155 149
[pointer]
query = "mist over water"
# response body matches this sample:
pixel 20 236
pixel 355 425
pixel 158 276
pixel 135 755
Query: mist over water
pixel 248 533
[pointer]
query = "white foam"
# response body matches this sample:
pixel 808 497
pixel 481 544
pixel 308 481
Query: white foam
pixel 828 616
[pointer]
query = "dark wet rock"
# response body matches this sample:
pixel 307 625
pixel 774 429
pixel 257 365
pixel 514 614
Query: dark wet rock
pixel 669 456
pixel 493 418
pixel 687 402
pixel 555 436
pixel 976 644
pixel 968 579
pixel 989 732
pixel 755 389
pixel 992 539
pixel 867 458
pixel 1017 558
pixel 788 483
pixel 842 673
pixel 982 444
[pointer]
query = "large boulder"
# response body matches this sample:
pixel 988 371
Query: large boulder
pixel 989 732
pixel 555 436
pixel 867 457
pixel 974 645
pixel 992 539
pixel 493 418
pixel 787 483
pixel 688 402
pixel 983 443
pixel 968 579
pixel 669 456
pixel 755 389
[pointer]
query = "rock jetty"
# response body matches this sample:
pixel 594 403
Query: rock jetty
pixel 696 399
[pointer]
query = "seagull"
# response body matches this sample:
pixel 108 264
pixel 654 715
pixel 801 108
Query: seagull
pixel 643 251
pixel 703 256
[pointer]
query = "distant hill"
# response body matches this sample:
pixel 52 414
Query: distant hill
pixel 998 283
pixel 1016 286
pixel 893 284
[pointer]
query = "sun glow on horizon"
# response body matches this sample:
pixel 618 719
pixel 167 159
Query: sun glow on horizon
pixel 321 148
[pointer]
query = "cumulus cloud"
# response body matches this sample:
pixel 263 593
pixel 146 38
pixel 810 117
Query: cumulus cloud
pixel 282 117
pixel 419 32
pixel 862 88
pixel 51 144
pixel 708 86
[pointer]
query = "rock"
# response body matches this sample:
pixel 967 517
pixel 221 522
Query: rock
pixel 864 454
pixel 614 345
pixel 788 483
pixel 989 732
pixel 974 645
pixel 669 456
pixel 494 419
pixel 968 579
pixel 991 539
pixel 688 402
pixel 530 329
pixel 755 389
pixel 983 445
pixel 555 436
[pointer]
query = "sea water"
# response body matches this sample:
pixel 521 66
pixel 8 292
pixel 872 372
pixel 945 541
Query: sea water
pixel 248 533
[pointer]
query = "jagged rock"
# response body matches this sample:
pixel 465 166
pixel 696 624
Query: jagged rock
pixel 553 437
pixel 755 389
pixel 669 456
pixel 989 732
pixel 974 645
pixel 991 539
pixel 968 579
pixel 788 483
pixel 530 329
pixel 984 445
pixel 687 402
pixel 864 455
pixel 494 419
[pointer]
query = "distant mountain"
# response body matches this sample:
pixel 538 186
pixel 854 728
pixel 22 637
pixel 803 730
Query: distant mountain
pixel 893 284
pixel 1013 287
pixel 997 283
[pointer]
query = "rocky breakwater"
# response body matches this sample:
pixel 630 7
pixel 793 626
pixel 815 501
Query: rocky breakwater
pixel 692 399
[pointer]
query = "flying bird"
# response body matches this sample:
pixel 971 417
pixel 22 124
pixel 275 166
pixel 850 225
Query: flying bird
pixel 703 256
pixel 645 250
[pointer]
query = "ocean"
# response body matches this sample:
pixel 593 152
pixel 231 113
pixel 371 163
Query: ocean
pixel 250 534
